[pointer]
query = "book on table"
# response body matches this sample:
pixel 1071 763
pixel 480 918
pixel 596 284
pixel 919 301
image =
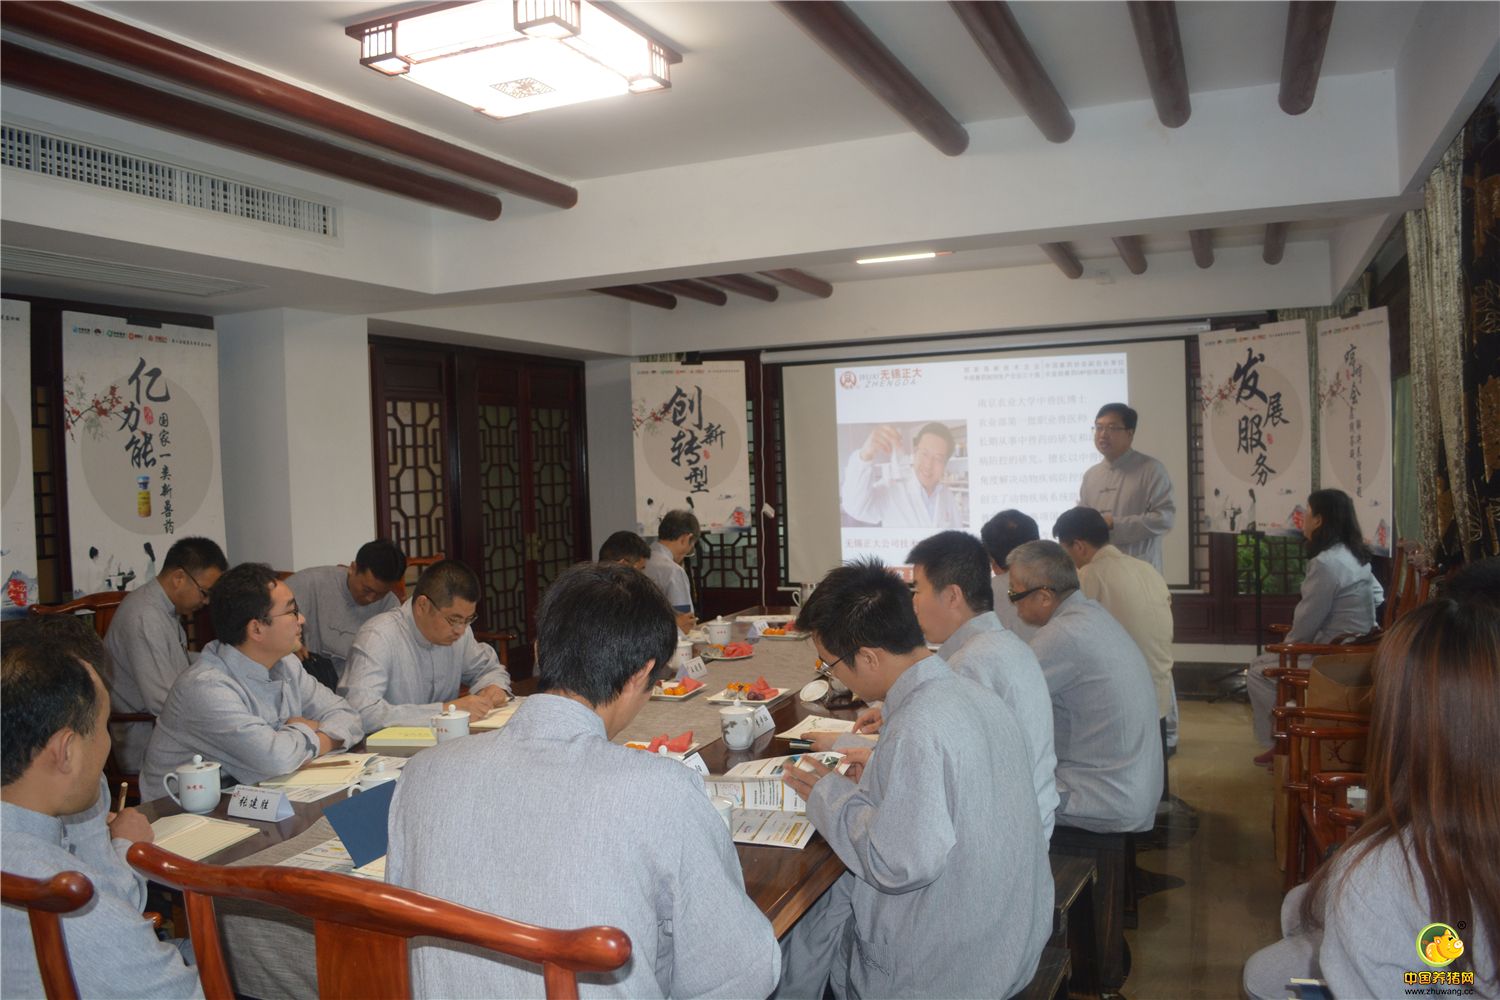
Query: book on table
pixel 198 837
pixel 330 769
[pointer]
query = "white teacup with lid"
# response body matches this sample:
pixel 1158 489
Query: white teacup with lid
pixel 197 785
pixel 450 724
pixel 718 631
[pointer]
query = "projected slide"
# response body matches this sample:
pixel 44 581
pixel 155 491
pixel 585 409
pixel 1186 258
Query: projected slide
pixel 927 447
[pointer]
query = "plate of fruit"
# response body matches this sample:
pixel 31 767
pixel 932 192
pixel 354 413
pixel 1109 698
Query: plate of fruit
pixel 679 690
pixel 742 691
pixel 728 651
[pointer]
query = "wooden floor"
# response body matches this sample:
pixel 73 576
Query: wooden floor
pixel 1192 941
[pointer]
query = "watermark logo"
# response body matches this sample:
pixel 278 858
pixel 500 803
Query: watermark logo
pixel 848 380
pixel 1438 945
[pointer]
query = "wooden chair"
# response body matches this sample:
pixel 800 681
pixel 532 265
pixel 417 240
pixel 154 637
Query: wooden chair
pixel 1308 731
pixel 103 606
pixel 414 567
pixel 362 928
pixel 44 900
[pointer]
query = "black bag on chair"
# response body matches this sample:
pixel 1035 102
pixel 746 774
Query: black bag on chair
pixel 321 669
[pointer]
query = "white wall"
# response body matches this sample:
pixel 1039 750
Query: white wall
pixel 611 447
pixel 294 397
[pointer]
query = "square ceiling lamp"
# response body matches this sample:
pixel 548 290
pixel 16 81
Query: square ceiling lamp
pixel 515 57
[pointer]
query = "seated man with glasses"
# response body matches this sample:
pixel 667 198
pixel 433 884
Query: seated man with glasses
pixel 247 704
pixel 1104 726
pixel 1131 490
pixel 406 664
pixel 948 893
pixel 147 643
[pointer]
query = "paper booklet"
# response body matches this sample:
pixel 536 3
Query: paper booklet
pixel 331 856
pixel 198 837
pixel 771 828
pixel 757 784
pixel 332 769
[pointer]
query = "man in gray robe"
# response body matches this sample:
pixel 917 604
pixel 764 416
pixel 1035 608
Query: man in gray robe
pixel 336 601
pixel 147 644
pixel 54 817
pixel 247 703
pixel 931 822
pixel 1000 535
pixel 612 835
pixel 954 605
pixel 1131 490
pixel 408 663
pixel 676 537
pixel 1104 721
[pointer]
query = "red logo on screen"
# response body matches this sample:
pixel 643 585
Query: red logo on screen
pixel 848 380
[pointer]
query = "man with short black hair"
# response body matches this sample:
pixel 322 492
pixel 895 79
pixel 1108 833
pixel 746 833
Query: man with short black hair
pixel 929 822
pixel 676 536
pixel 1109 766
pixel 908 492
pixel 955 607
pixel 1130 590
pixel 54 817
pixel 147 643
pixel 336 601
pixel 1131 490
pixel 1000 535
pixel 612 835
pixel 408 664
pixel 625 547
pixel 247 703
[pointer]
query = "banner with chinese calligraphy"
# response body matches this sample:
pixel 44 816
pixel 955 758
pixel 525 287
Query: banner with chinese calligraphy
pixel 18 536
pixel 1354 406
pixel 1257 433
pixel 142 422
pixel 691 446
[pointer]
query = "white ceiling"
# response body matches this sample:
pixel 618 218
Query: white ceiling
pixel 762 131
pixel 751 82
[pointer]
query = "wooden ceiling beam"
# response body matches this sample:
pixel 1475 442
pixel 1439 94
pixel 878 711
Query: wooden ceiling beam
pixel 1307 26
pixel 743 284
pixel 31 70
pixel 1275 243
pixel 994 29
pixel 1066 260
pixel 1155 24
pixel 1203 247
pixel 695 290
pixel 802 281
pixel 643 294
pixel 130 46
pixel 1129 248
pixel 844 37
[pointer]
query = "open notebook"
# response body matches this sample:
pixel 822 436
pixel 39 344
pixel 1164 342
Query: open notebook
pixel 198 837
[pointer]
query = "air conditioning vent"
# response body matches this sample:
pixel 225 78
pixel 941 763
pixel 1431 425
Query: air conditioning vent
pixel 86 163
pixel 43 263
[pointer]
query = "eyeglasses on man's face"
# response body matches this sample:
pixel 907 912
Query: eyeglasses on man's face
pixel 292 610
pixel 824 669
pixel 1110 428
pixel 202 590
pixel 1017 596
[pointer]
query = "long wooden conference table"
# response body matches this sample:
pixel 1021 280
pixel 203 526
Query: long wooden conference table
pixel 271 950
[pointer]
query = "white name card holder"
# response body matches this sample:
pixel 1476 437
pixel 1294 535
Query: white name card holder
pixel 758 628
pixel 760 722
pixel 267 805
pixel 694 760
pixel 695 668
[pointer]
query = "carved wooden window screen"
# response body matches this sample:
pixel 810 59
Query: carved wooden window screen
pixel 503 577
pixel 415 476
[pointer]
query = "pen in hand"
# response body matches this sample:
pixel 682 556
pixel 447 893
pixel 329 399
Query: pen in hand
pixel 124 787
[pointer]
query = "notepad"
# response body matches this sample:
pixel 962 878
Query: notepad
pixel 198 837
pixel 816 723
pixel 497 717
pixel 334 769
pixel 401 736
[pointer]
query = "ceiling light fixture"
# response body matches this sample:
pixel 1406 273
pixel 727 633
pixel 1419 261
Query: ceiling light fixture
pixel 513 57
pixel 928 255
